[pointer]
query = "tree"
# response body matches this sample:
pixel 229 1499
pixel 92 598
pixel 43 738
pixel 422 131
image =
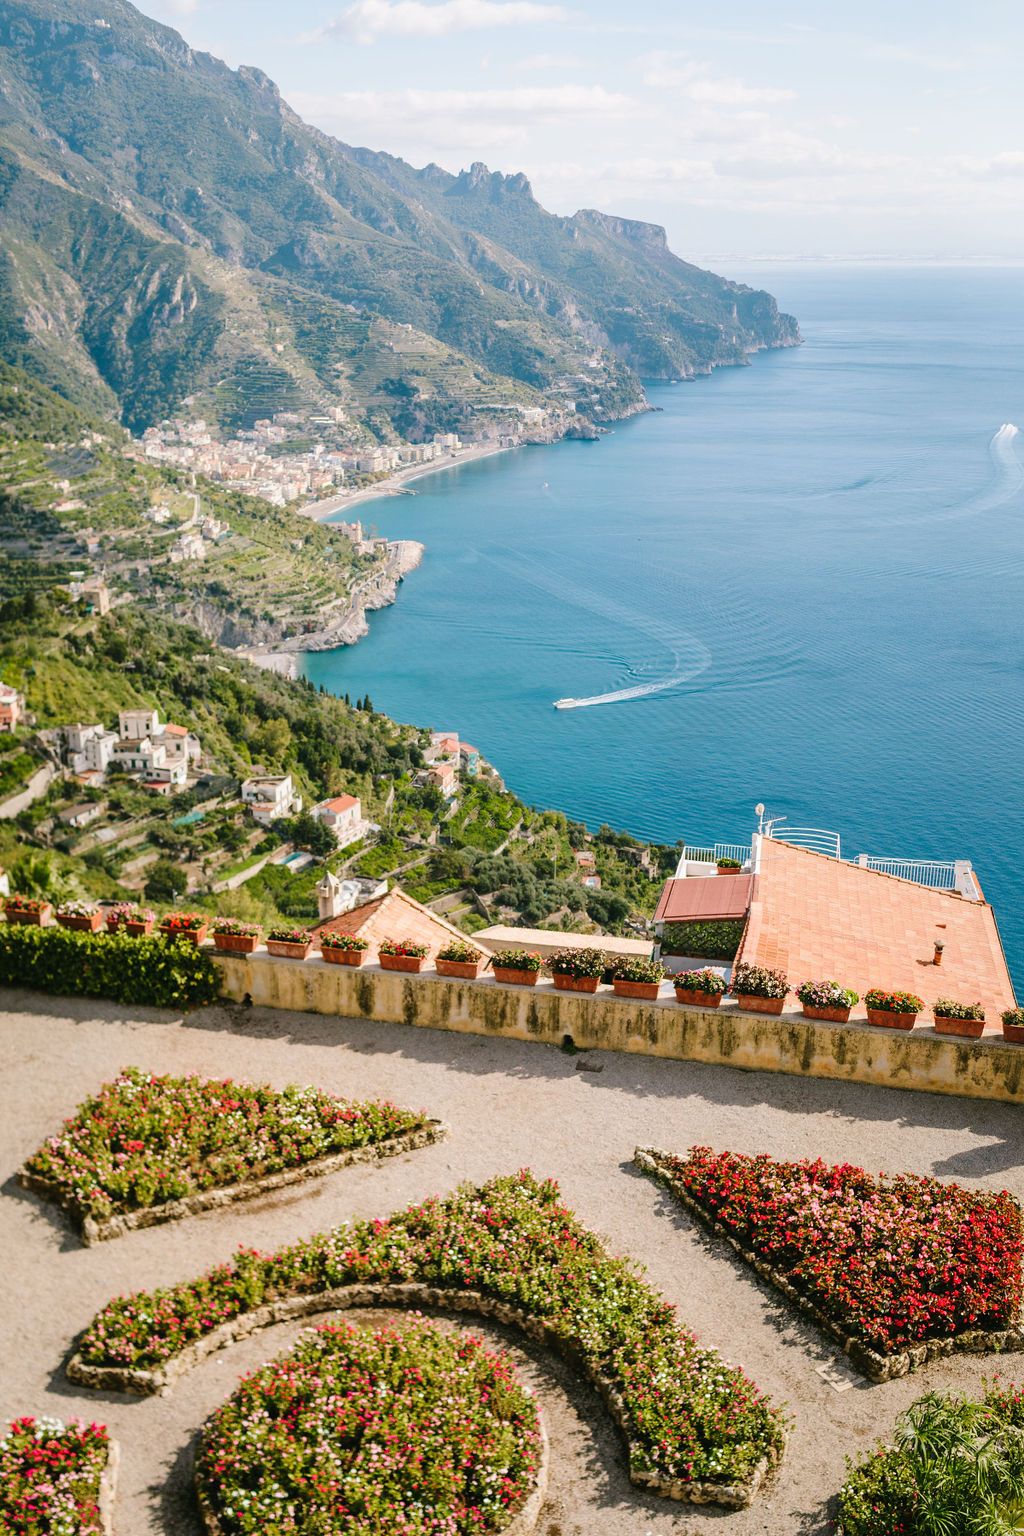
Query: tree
pixel 165 882
pixel 307 831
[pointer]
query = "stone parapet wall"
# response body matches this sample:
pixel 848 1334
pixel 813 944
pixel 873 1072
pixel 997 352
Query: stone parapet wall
pixel 988 1068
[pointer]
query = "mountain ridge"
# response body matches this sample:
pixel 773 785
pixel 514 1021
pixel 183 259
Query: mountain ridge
pixel 174 229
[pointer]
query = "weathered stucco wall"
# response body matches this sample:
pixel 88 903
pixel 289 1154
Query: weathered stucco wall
pixel 987 1068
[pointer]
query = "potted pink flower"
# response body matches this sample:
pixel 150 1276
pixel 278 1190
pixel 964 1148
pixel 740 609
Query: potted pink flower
pixel 289 943
pixel 516 967
pixel 235 937
pixel 458 958
pixel 759 989
pixel 637 977
pixel 827 1000
pixel 699 989
pixel 184 925
pixel 27 909
pixel 342 948
pixel 402 955
pixel 79 916
pixel 953 1018
pixel 578 970
pixel 138 921
pixel 892 1010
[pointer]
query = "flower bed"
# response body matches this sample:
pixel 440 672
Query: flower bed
pixel 146 1147
pixel 56 1479
pixel 700 989
pixel 398 1430
pixel 827 1000
pixel 235 937
pixel 521 967
pixel 898 1269
pixel 461 960
pixel 697 1428
pixel 956 1467
pixel 152 971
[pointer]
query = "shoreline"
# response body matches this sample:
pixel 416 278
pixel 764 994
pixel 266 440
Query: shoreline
pixel 395 483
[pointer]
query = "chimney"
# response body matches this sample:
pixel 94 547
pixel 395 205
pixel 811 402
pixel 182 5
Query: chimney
pixel 938 952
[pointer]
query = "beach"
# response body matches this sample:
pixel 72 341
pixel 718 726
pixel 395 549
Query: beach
pixel 395 484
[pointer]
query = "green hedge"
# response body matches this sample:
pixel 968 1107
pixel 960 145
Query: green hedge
pixel 164 973
pixel 706 941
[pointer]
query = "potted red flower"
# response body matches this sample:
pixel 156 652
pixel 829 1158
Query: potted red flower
pixel 1013 1025
pixel 235 937
pixel 460 959
pixel 638 977
pixel 402 955
pixel 952 1018
pixel 184 925
pixel 699 989
pixel 138 921
pixel 27 909
pixel 79 916
pixel 516 967
pixel 759 989
pixel 342 948
pixel 289 943
pixel 892 1010
pixel 827 1000
pixel 578 970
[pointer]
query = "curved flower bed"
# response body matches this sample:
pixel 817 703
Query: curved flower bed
pixel 148 1149
pixel 898 1269
pixel 697 1428
pixel 403 1431
pixel 56 1479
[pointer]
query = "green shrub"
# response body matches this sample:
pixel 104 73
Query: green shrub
pixel 159 972
pixel 637 968
pixel 708 941
pixel 584 964
pixel 949 1008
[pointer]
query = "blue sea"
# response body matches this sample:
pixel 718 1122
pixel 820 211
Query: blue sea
pixel 806 576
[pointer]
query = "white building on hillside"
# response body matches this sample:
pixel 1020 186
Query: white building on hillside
pixel 343 815
pixel 271 796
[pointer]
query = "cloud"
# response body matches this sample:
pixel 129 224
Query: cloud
pixel 519 104
pixel 366 20
pixel 540 61
pixel 673 71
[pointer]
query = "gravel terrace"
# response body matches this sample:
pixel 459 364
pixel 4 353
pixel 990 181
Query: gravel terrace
pixel 509 1104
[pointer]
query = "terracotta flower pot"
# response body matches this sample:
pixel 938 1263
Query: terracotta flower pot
pixel 137 930
pixel 465 970
pixel 1014 1033
pixel 830 1015
pixel 30 919
pixel 751 1004
pixel 691 999
pixel 515 978
pixel 193 935
pixel 886 1019
pixel 78 923
pixel 288 951
pixel 412 963
pixel 237 943
pixel 335 956
pixel 967 1029
pixel 646 989
pixel 576 983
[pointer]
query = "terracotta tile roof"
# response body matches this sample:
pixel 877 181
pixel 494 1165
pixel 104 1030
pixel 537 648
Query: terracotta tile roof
pixel 396 916
pixel 340 803
pixel 816 917
pixel 704 898
pixel 175 730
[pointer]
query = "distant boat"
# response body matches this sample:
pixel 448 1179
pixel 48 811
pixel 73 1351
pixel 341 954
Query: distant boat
pixel 568 703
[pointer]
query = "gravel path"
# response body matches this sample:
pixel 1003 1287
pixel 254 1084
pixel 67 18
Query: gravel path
pixel 509 1104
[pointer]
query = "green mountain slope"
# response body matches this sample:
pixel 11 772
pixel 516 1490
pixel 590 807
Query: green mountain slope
pixel 172 228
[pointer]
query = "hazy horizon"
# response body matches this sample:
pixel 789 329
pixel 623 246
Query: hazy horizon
pixel 889 135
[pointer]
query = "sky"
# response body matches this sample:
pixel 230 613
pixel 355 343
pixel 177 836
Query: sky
pixel 807 130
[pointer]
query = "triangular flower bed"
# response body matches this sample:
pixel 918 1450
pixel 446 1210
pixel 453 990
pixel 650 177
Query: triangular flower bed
pixel 697 1428
pixel 900 1270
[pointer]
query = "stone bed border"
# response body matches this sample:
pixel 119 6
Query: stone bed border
pixel 108 1487
pixel 876 1367
pixel 419 1296
pixel 92 1231
pixel 522 1523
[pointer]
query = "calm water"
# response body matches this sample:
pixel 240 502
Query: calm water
pixel 820 555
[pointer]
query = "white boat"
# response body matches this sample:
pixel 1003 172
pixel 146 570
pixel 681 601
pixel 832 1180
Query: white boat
pixel 568 703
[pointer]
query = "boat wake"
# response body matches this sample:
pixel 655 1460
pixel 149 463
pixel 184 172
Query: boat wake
pixel 689 655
